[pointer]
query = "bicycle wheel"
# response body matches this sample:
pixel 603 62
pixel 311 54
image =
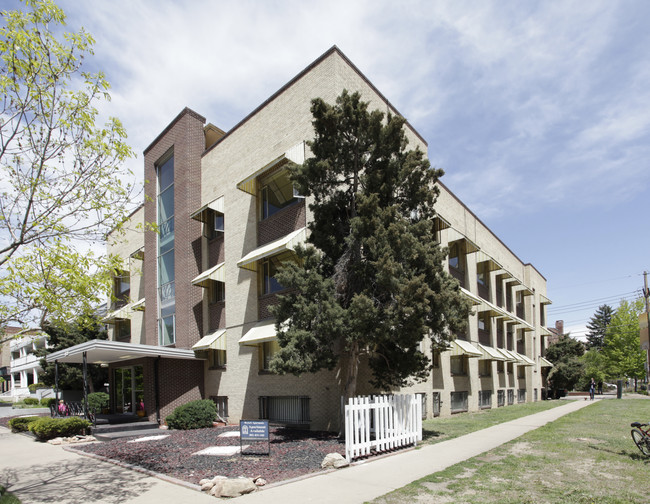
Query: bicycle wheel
pixel 641 441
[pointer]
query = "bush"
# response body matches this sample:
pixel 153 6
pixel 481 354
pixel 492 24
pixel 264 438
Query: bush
pixel 7 497
pixel 21 424
pixel 48 401
pixel 48 428
pixel 193 415
pixel 34 386
pixel 97 401
pixel 30 401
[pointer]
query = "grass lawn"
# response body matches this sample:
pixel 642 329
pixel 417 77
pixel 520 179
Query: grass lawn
pixel 585 457
pixel 442 429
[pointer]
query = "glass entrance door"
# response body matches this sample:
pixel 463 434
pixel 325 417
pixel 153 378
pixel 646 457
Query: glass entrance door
pixel 128 388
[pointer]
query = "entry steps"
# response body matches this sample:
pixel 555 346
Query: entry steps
pixel 109 431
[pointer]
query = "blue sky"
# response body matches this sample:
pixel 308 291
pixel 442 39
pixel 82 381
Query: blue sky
pixel 537 111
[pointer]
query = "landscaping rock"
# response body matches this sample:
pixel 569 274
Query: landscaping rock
pixel 235 487
pixel 71 440
pixel 260 481
pixel 334 460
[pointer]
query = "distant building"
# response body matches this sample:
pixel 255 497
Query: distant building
pixel 191 313
pixel 24 366
pixel 556 332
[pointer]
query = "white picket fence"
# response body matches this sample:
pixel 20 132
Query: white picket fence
pixel 376 424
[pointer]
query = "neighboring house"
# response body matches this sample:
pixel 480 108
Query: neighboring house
pixel 24 365
pixel 191 313
pixel 5 357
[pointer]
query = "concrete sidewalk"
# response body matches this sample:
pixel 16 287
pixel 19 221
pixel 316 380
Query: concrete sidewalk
pixel 43 473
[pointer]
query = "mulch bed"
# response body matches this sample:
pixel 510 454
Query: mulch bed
pixel 293 453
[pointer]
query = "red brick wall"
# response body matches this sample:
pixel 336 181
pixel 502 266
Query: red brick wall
pixel 217 316
pixel 216 254
pixel 282 223
pixel 263 304
pixel 185 136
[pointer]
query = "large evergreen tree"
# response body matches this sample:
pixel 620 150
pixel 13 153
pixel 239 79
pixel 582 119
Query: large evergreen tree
pixel 597 326
pixel 372 283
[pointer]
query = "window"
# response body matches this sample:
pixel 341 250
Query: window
pixel 222 406
pixel 266 352
pixel 269 268
pixel 435 359
pixel 510 368
pixel 484 399
pixel 122 286
pixel 454 256
pixel 501 398
pixel 165 254
pixel 215 225
pixel 521 372
pixel 484 328
pixel 511 397
pixel 500 367
pixel 436 404
pixel 521 395
pixel 423 402
pixel 277 193
pixel 458 402
pixel 122 330
pixel 485 367
pixel 217 292
pixel 285 409
pixel 216 359
pixel 458 365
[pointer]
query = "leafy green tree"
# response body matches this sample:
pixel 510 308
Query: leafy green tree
pixel 62 175
pixel 594 367
pixel 568 368
pixel 372 284
pixel 62 336
pixel 622 346
pixel 597 326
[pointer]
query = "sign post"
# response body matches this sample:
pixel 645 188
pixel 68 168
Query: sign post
pixel 254 430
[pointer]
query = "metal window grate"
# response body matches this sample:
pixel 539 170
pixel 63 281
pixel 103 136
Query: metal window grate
pixel 285 409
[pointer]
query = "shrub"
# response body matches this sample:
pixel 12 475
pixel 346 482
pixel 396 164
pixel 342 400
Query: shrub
pixel 97 401
pixel 193 415
pixel 21 424
pixel 48 401
pixel 7 497
pixel 34 386
pixel 48 428
pixel 30 401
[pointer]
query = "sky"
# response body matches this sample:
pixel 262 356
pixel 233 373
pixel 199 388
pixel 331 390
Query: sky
pixel 537 111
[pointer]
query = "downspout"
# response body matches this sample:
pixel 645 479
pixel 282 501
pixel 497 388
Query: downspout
pixel 156 369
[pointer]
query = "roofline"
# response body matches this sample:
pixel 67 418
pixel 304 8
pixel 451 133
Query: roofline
pixel 183 112
pixel 334 49
pixel 487 227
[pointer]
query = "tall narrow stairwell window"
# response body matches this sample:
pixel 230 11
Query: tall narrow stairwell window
pixel 166 262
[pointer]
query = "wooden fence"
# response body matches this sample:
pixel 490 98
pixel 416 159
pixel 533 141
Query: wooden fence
pixel 377 424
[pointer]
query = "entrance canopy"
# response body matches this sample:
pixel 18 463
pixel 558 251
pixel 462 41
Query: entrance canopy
pixel 106 352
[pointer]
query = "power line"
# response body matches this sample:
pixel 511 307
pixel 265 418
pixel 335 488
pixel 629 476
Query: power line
pixel 591 301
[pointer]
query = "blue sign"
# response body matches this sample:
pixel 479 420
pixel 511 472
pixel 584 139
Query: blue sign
pixel 254 430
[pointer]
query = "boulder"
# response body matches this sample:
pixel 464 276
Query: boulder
pixel 335 461
pixel 235 487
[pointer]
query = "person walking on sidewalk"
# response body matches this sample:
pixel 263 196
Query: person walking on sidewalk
pixel 592 389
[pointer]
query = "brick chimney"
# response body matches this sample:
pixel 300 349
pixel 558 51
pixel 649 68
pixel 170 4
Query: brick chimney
pixel 559 327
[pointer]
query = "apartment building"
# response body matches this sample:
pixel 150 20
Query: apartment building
pixel 23 364
pixel 191 312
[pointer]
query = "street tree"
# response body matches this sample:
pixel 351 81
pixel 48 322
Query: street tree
pixel 370 283
pixel 597 326
pixel 62 175
pixel 622 346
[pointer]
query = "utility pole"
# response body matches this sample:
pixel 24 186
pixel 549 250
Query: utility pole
pixel 646 295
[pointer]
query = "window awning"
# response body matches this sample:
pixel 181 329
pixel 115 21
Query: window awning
pixel 454 235
pixel 288 242
pixel 213 341
pixel 510 356
pixel 216 273
pixel 202 213
pixel 462 347
pixel 138 305
pixel 440 223
pixel 295 154
pixel 123 313
pixel 526 290
pixel 545 363
pixel 544 300
pixel 526 361
pixel 489 353
pixel 482 257
pixel 260 333
pixel 105 352
pixel 476 301
pixel 544 331
pixel 138 254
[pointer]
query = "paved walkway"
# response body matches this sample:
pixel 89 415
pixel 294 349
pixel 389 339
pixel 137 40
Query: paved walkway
pixel 42 473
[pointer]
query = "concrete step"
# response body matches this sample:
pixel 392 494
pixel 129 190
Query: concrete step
pixel 108 436
pixel 127 426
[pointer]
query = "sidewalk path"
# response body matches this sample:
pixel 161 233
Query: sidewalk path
pixel 43 473
pixel 367 481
